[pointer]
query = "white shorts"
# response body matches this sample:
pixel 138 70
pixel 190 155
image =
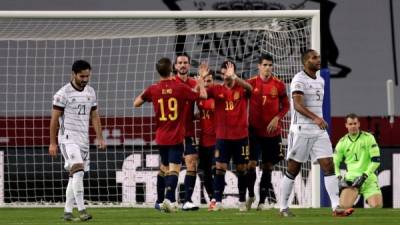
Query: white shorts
pixel 301 147
pixel 74 154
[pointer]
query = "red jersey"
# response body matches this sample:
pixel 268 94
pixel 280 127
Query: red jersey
pixel 207 122
pixel 230 111
pixel 169 100
pixel 189 107
pixel 268 99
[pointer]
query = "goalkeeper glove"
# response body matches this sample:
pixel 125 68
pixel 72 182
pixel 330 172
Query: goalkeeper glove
pixel 342 183
pixel 358 182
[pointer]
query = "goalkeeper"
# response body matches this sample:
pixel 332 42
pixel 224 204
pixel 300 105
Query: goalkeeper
pixel 360 153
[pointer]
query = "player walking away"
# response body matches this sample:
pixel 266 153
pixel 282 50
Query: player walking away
pixel 73 105
pixel 268 105
pixel 182 67
pixel 231 132
pixel 308 136
pixel 169 98
pixel 360 153
pixel 207 132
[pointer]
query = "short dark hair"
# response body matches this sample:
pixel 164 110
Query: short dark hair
pixel 265 56
pixel 225 63
pixel 80 65
pixel 164 67
pixel 306 55
pixel 182 54
pixel 351 116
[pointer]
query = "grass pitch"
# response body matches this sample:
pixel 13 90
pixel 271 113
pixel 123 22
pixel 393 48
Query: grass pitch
pixel 140 216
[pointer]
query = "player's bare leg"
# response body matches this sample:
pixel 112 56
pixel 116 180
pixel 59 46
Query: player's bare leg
pixel 347 197
pixel 287 187
pixel 375 201
pixel 190 181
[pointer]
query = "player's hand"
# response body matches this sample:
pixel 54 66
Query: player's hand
pixel 200 81
pixel 230 71
pixel 273 125
pixel 53 150
pixel 321 123
pixel 101 144
pixel 358 182
pixel 204 70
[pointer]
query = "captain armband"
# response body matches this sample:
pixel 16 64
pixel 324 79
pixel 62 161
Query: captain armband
pixel 376 159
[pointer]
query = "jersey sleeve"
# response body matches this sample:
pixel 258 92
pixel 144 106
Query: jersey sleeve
pixel 94 100
pixel 297 85
pixel 374 154
pixel 188 93
pixel 338 157
pixel 146 96
pixel 59 100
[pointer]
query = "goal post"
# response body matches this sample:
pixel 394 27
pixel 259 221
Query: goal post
pixel 37 49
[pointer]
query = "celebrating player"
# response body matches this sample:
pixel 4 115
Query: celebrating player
pixel 73 106
pixel 182 67
pixel 231 132
pixel 360 152
pixel 268 104
pixel 308 135
pixel 207 131
pixel 169 99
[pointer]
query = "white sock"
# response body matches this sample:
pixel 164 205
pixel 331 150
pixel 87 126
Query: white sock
pixel 286 190
pixel 77 186
pixel 70 198
pixel 332 187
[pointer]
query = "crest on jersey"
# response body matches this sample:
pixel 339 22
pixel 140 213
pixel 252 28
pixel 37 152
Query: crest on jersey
pixel 221 95
pixel 73 99
pixel 236 95
pixel 297 86
pixel 274 91
pixel 256 90
pixel 88 98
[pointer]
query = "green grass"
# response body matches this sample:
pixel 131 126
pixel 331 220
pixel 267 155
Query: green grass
pixel 122 216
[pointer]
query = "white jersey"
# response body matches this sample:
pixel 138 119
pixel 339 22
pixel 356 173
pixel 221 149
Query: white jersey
pixel 313 90
pixel 77 106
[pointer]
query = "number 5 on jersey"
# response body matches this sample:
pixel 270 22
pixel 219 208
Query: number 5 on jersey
pixel 172 105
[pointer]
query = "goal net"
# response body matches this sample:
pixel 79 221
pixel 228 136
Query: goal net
pixel 37 50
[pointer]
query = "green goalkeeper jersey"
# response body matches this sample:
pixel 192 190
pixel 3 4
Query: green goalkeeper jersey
pixel 360 153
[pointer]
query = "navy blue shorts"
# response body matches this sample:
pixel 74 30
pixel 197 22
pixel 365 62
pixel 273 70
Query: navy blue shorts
pixel 236 149
pixel 171 154
pixel 269 148
pixel 190 147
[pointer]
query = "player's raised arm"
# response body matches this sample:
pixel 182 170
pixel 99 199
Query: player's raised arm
pixel 230 72
pixel 97 128
pixel 202 89
pixel 55 115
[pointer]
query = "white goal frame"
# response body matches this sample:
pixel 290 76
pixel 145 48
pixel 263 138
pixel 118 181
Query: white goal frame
pixel 315 44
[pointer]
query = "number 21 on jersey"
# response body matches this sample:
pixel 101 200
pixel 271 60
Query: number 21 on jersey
pixel 172 105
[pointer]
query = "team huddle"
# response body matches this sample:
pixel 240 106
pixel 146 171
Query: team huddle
pixel 240 120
